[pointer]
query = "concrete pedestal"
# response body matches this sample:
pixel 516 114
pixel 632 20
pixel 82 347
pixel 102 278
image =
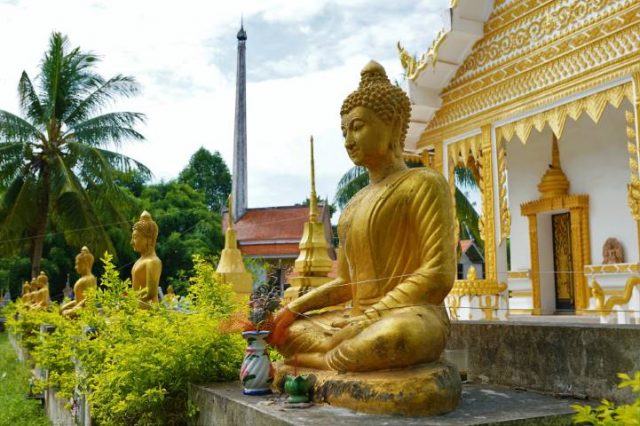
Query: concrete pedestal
pixel 224 404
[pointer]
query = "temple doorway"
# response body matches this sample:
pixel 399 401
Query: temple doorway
pixel 562 262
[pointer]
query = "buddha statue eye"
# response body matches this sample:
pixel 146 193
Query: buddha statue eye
pixel 357 125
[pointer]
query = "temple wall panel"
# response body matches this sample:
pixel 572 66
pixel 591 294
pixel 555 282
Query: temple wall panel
pixel 601 173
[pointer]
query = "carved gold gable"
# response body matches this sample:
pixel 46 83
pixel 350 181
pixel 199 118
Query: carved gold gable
pixel 534 52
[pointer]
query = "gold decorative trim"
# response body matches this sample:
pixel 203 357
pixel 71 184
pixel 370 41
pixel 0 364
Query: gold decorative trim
pixel 555 203
pixel 518 275
pixel 556 118
pixel 587 64
pixel 519 293
pixel 413 66
pixel 613 268
pixel 578 206
pixel 465 153
pixel 605 308
pixel 505 213
pixel 477 288
pixel 486 191
pixel 521 312
pixel 556 22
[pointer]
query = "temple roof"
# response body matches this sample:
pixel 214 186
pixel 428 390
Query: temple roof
pixel 462 29
pixel 274 231
pixel 496 59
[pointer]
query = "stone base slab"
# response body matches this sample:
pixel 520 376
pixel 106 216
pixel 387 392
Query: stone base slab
pixel 224 404
pixel 422 390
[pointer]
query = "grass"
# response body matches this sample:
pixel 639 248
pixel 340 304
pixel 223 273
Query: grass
pixel 15 409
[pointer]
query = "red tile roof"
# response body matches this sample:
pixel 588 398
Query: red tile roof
pixel 272 231
pixel 271 223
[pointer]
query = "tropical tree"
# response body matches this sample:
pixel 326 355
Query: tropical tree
pixel 55 166
pixel 208 174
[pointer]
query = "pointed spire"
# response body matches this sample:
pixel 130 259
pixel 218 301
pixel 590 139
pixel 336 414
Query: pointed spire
pixel 554 183
pixel 242 34
pixel 230 215
pixel 313 198
pixel 555 153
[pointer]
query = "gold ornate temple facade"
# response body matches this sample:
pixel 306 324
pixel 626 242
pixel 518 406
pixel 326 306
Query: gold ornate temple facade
pixel 540 99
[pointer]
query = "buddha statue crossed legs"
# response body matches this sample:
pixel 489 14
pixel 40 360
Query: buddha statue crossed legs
pixel 397 259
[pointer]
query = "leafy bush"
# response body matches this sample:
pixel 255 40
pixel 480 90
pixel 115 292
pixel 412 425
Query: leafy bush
pixel 136 363
pixel 608 414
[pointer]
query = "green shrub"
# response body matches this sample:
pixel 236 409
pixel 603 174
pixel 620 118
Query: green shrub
pixel 608 414
pixel 137 364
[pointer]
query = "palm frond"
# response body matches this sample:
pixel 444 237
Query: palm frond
pixel 74 209
pixel 66 77
pixel 351 182
pixel 98 165
pixel 465 178
pixel 468 217
pixel 18 210
pixel 107 128
pixel 116 86
pixel 16 129
pixel 11 162
pixel 29 102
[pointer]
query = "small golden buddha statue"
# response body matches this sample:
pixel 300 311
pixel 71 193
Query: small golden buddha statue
pixel 145 274
pixel 87 281
pixel 170 297
pixel 26 291
pixel 40 299
pixel 396 263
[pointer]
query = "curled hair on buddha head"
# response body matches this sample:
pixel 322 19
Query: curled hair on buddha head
pixel 147 227
pixel 85 256
pixel 387 101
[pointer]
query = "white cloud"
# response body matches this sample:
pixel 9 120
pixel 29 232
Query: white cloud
pixel 304 57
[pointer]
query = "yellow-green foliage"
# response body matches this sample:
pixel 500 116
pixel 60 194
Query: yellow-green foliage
pixel 608 414
pixel 139 362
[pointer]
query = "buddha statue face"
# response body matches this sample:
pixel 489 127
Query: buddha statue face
pixel 84 261
pixel 42 280
pixel 145 233
pixel 367 138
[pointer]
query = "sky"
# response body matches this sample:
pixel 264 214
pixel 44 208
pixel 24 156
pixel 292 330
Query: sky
pixel 303 58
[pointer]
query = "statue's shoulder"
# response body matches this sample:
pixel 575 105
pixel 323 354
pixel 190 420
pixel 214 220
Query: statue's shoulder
pixel 425 176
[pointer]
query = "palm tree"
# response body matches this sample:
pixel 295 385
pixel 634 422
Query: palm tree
pixel 357 178
pixel 55 168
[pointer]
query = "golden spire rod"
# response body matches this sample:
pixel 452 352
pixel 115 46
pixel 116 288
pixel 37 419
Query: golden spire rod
pixel 230 215
pixel 313 199
pixel 555 153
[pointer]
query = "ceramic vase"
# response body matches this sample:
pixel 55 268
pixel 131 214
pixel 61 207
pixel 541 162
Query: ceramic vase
pixel 256 373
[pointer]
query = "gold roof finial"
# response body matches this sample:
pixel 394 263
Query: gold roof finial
pixel 313 198
pixel 554 183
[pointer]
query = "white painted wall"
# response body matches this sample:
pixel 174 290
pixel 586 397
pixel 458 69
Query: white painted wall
pixel 594 157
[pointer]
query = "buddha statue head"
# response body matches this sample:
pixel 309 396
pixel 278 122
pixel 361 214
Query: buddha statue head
pixel 42 280
pixel 145 234
pixel 84 261
pixel 26 288
pixel 612 251
pixel 375 119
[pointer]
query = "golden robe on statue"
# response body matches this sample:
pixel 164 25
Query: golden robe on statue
pixel 396 265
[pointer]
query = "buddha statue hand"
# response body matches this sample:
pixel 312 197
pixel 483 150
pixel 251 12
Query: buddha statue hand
pixel 283 319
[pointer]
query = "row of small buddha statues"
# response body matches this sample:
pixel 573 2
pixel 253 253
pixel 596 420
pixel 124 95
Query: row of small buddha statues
pixel 145 275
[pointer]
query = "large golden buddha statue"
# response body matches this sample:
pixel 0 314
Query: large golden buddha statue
pixel 145 274
pixel 396 263
pixel 87 281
